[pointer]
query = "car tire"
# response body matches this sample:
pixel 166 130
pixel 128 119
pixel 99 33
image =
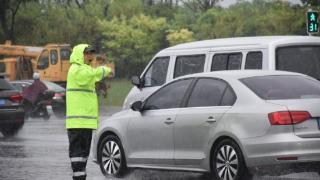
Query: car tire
pixel 227 162
pixel 111 156
pixel 9 132
pixel 59 110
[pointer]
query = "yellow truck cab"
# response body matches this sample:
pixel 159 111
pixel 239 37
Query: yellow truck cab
pixel 50 61
pixel 53 62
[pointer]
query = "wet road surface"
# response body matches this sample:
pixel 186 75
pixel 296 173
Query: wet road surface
pixel 40 152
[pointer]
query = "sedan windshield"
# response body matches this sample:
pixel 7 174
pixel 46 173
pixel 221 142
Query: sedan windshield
pixel 301 59
pixel 283 87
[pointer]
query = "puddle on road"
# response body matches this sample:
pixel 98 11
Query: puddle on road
pixel 16 151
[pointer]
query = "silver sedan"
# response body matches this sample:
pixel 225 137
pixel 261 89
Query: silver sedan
pixel 220 122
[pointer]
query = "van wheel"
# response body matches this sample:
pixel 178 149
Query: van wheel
pixel 227 161
pixel 111 156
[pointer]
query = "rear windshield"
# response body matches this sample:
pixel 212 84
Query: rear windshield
pixel 302 59
pixel 283 87
pixel 4 85
pixel 54 87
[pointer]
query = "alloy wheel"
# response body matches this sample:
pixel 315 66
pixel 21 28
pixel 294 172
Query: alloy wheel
pixel 227 163
pixel 111 157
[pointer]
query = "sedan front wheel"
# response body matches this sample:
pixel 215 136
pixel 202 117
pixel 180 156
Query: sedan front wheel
pixel 111 156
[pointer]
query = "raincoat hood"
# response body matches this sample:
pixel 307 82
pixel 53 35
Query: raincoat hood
pixel 77 56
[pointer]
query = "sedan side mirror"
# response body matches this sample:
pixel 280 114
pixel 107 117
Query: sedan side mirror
pixel 135 80
pixel 137 106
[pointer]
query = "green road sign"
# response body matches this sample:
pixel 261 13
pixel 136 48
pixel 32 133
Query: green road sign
pixel 312 22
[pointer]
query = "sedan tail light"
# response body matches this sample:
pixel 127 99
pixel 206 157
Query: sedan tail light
pixel 288 117
pixel 16 98
pixel 58 96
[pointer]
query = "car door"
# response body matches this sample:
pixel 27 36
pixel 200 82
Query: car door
pixel 150 135
pixel 208 101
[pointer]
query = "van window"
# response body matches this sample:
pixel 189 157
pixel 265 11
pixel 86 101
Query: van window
pixel 54 57
pixel 189 65
pixel 226 62
pixel 157 73
pixel 302 59
pixel 254 60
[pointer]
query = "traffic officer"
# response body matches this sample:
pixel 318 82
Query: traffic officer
pixel 82 106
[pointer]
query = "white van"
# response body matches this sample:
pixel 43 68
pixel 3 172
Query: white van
pixel 290 53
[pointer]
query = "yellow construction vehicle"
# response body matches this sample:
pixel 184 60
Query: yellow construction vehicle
pixel 50 61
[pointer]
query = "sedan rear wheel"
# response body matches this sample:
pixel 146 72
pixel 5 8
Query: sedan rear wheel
pixel 111 156
pixel 227 161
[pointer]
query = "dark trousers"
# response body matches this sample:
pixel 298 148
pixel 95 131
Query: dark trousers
pixel 79 149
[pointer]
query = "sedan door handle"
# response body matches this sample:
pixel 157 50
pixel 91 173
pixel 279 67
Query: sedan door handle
pixel 211 120
pixel 168 121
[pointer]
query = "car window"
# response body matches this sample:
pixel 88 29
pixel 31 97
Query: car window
pixel 17 86
pixel 5 85
pixel 231 61
pixel 157 73
pixel 53 57
pixel 234 61
pixel 44 60
pixel 207 92
pixel 65 54
pixel 169 96
pixel 302 59
pixel 254 60
pixel 229 97
pixel 189 65
pixel 2 67
pixel 274 88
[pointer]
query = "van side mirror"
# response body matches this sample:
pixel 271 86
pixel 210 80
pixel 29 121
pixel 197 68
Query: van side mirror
pixel 137 106
pixel 135 80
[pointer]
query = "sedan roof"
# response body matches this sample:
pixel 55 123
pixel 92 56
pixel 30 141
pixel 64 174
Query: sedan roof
pixel 239 74
pixel 50 85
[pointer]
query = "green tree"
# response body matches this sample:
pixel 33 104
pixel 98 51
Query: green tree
pixel 127 8
pixel 131 42
pixel 282 19
pixel 176 37
pixel 39 24
pixel 311 2
pixel 250 19
pixel 199 5
pixel 166 10
pixel 8 11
